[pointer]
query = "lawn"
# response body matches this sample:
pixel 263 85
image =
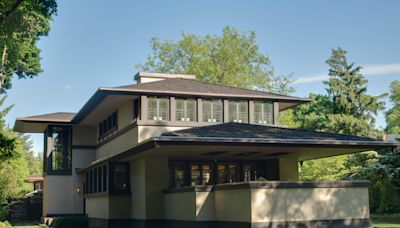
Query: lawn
pixel 27 224
pixel 385 224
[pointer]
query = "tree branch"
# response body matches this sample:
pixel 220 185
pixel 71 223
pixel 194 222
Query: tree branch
pixel 4 15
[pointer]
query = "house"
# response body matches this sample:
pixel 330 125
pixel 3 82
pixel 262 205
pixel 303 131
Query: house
pixel 171 151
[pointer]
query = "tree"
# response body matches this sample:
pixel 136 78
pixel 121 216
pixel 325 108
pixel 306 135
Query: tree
pixel 231 59
pixel 347 108
pixel 22 23
pixel 7 141
pixel 393 114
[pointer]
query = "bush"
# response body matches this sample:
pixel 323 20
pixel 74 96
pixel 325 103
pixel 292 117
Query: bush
pixel 71 222
pixel 5 224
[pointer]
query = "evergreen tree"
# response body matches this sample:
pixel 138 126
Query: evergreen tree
pixel 393 114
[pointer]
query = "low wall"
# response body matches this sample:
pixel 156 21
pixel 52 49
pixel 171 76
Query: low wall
pixel 272 202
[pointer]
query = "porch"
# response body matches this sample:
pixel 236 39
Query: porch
pixel 269 204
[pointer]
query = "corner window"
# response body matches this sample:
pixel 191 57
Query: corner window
pixel 238 111
pixel 58 145
pixel 212 110
pixel 108 126
pixel 119 178
pixel 263 112
pixel 158 108
pixel 186 110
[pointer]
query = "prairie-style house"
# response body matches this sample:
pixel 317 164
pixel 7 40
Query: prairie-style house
pixel 172 151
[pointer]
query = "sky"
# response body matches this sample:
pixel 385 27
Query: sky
pixel 97 43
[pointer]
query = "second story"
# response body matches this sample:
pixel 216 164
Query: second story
pixel 117 118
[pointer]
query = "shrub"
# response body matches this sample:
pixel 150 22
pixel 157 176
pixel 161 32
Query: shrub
pixel 71 222
pixel 5 224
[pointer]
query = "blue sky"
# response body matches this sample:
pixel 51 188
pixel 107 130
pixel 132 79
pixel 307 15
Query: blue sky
pixel 97 43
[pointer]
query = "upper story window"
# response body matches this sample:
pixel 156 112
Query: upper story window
pixel 186 109
pixel 58 143
pixel 263 112
pixel 212 110
pixel 158 108
pixel 109 125
pixel 238 111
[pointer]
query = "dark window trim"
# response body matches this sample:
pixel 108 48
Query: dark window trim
pixel 112 190
pixel 108 126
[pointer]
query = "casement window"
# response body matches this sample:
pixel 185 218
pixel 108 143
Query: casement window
pixel 186 109
pixel 263 112
pixel 201 174
pixel 113 179
pixel 158 108
pixel 58 145
pixel 238 111
pixel 119 178
pixel 212 110
pixel 176 175
pixel 108 126
pixel 227 173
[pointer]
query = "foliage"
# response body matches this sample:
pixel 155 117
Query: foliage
pixel 347 108
pixel 231 59
pixel 393 114
pixel 22 23
pixel 7 141
pixel 71 222
pixel 5 224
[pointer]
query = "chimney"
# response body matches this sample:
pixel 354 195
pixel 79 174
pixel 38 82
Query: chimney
pixel 143 77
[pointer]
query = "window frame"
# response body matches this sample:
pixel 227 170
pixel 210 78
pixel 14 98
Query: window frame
pixel 237 118
pixel 111 188
pixel 185 109
pixel 213 104
pixel 66 151
pixel 264 104
pixel 157 108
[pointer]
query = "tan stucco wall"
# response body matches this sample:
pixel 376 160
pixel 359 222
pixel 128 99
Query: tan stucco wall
pixel 149 177
pixel 146 132
pixel 97 207
pixel 125 114
pixel 288 169
pixel 304 204
pixel 120 207
pixel 180 206
pixel 119 144
pixel 233 205
pixel 57 195
pixel 205 206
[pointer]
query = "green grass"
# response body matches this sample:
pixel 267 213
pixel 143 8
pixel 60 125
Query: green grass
pixel 27 224
pixel 384 224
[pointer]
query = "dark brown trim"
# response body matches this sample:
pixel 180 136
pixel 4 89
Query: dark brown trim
pixel 205 188
pixel 84 147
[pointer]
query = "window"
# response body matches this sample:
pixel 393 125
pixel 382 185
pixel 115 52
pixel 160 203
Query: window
pixel 186 110
pixel 238 111
pixel 58 146
pixel 227 173
pixel 212 110
pixel 104 178
pixel 119 174
pixel 158 108
pixel 263 112
pixel 108 126
pixel 176 174
pixel 136 106
pixel 96 180
pixel 200 174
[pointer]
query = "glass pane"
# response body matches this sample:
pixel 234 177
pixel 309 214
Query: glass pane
pixel 105 178
pixel 243 112
pixel 268 112
pixel 258 110
pixel 217 111
pixel 163 109
pixel 176 175
pixel 180 110
pixel 196 178
pixel 249 172
pixel 120 177
pixel 207 117
pixel 191 110
pixel 233 114
pixel 222 174
pixel 152 108
pixel 57 159
pixel 100 178
pixel 95 180
pixel 206 174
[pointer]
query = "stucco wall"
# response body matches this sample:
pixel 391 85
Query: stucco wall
pixel 180 206
pixel 97 207
pixel 125 114
pixel 233 205
pixel 146 132
pixel 304 204
pixel 57 195
pixel 119 207
pixel 119 144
